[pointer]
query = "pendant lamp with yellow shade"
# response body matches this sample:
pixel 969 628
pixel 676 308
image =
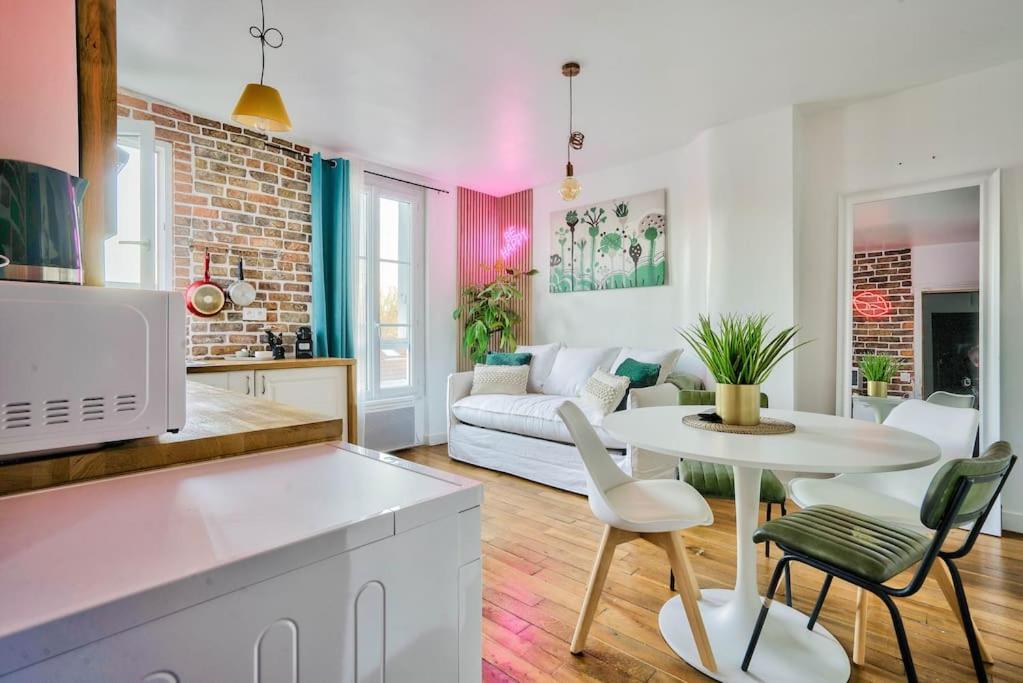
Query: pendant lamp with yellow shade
pixel 260 106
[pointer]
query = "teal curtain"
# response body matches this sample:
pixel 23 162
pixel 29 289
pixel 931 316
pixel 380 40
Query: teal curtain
pixel 333 293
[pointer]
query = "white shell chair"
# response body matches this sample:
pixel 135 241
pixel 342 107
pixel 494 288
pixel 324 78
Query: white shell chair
pixel 896 497
pixel 651 509
pixel 947 398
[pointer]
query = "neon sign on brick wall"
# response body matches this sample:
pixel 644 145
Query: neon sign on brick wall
pixel 871 303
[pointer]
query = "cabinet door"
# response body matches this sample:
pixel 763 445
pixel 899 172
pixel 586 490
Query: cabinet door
pixel 318 390
pixel 240 381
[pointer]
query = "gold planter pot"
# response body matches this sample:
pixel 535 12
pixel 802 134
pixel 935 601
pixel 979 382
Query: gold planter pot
pixel 738 404
pixel 877 389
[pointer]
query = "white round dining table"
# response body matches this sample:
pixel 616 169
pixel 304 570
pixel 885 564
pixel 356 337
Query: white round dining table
pixel 787 651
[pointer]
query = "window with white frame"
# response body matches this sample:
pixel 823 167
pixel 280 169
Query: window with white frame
pixel 139 254
pixel 390 290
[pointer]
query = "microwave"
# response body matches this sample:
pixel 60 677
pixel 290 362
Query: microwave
pixel 82 366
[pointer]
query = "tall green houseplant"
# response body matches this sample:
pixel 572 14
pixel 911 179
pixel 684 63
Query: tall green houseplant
pixel 488 313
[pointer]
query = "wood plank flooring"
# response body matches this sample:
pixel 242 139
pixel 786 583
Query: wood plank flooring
pixel 539 544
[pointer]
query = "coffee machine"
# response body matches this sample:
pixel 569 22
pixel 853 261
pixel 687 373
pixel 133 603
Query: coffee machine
pixel 304 343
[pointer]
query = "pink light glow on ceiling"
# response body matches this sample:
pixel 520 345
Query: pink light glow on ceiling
pixel 512 240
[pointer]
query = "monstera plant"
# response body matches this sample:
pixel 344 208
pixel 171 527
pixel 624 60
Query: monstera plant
pixel 487 312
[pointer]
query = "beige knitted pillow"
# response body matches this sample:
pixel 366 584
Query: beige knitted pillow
pixel 605 390
pixel 499 379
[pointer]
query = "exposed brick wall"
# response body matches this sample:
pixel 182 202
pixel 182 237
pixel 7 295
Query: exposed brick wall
pixel 239 199
pixel 891 274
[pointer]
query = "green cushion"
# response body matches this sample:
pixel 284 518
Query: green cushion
pixel 996 460
pixel 684 380
pixel 640 375
pixel 718 481
pixel 861 545
pixel 498 358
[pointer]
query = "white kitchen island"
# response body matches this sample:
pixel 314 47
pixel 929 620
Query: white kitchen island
pixel 317 563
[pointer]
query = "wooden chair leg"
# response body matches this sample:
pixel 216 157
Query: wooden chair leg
pixel 940 573
pixel 688 592
pixel 601 564
pixel 859 651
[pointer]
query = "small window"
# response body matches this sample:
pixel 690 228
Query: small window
pixel 138 254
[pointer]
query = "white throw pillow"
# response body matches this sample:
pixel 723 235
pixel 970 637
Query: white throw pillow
pixel 573 367
pixel 499 379
pixel 540 364
pixel 666 358
pixel 605 390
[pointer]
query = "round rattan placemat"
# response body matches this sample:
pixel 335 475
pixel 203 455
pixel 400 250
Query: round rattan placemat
pixel 767 425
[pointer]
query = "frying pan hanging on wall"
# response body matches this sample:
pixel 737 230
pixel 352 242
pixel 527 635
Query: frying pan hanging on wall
pixel 204 297
pixel 242 293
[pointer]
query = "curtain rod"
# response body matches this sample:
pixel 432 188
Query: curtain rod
pixel 308 157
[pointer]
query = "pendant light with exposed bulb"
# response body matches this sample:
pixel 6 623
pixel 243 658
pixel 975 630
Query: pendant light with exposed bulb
pixel 260 106
pixel 570 187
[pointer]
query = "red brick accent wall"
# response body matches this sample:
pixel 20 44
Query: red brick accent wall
pixel 889 273
pixel 239 199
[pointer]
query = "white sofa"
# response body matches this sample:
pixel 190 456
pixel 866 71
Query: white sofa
pixel 523 435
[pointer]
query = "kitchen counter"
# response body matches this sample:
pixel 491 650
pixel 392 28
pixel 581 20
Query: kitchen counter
pixel 219 424
pixel 229 365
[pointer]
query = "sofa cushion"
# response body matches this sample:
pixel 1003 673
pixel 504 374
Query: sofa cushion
pixel 640 376
pixel 540 364
pixel 501 358
pixel 666 358
pixel 499 379
pixel 605 390
pixel 574 366
pixel 533 415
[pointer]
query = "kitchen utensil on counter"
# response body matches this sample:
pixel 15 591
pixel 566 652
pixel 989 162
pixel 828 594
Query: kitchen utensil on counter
pixel 204 298
pixel 241 292
pixel 276 342
pixel 263 355
pixel 304 343
pixel 40 230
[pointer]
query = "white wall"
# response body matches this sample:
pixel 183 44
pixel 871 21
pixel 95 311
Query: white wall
pixel 730 243
pixel 957 126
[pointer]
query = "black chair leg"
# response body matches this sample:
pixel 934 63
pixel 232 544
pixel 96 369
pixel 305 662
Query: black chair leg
pixel 767 546
pixel 900 635
pixel 783 564
pixel 788 585
pixel 671 580
pixel 820 603
pixel 964 610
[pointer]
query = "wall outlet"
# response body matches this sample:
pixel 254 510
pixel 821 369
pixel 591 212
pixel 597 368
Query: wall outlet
pixel 254 313
pixel 904 377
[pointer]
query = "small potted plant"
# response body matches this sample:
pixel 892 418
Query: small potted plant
pixel 878 371
pixel 740 354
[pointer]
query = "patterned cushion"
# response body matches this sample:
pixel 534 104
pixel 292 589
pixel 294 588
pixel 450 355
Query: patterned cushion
pixel 499 379
pixel 605 390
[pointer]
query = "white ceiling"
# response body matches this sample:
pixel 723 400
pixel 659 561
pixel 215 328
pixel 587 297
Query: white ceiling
pixel 946 217
pixel 470 91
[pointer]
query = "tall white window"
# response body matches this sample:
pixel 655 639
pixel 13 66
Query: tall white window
pixel 390 282
pixel 139 254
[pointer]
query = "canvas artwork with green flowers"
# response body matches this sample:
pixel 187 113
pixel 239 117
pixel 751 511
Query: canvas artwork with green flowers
pixel 613 244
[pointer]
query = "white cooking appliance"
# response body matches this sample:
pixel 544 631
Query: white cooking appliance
pixel 88 365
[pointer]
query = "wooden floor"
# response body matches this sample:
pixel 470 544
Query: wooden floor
pixel 538 548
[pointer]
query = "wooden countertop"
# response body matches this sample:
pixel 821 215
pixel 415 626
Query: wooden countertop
pixel 218 424
pixel 218 365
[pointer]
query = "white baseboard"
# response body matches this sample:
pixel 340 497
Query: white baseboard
pixel 1012 521
pixel 436 439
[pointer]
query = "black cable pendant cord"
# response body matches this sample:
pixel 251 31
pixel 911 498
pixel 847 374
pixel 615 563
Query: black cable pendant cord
pixel 265 39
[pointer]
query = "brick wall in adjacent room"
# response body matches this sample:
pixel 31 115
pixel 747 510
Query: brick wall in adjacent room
pixel 890 273
pixel 239 199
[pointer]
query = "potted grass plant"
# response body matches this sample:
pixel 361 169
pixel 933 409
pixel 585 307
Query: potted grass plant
pixel 878 371
pixel 740 353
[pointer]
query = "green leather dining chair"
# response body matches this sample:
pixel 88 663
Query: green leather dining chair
pixel 868 552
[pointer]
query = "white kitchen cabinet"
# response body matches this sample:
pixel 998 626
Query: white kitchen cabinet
pixel 313 385
pixel 240 381
pixel 318 390
pixel 320 563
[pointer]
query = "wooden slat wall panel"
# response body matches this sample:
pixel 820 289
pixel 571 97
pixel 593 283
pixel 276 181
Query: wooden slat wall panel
pixel 482 220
